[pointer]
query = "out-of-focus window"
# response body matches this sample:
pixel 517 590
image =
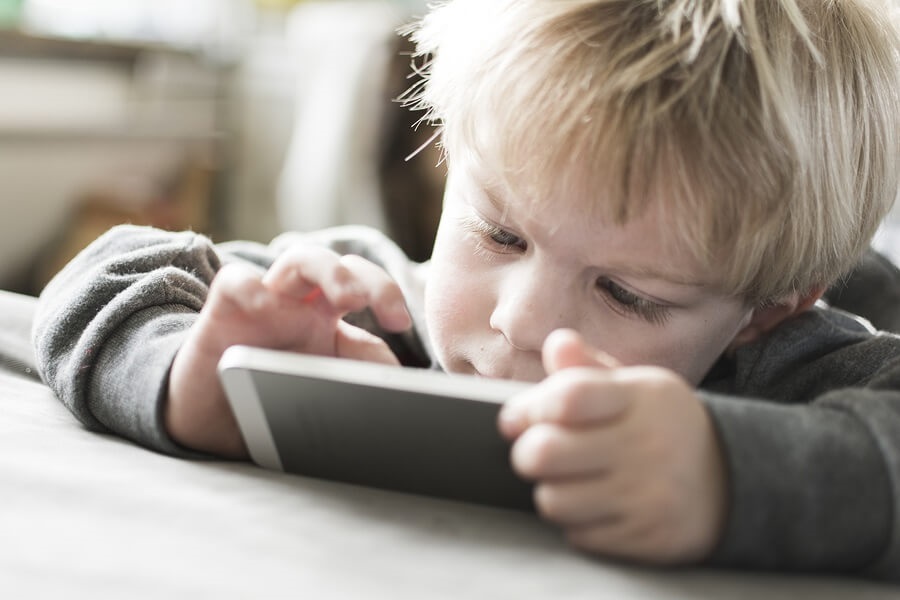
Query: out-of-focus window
pixel 10 12
pixel 188 24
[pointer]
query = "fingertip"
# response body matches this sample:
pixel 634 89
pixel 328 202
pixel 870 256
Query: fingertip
pixel 515 415
pixel 285 279
pixel 511 423
pixel 566 348
pixel 402 318
pixel 394 316
pixel 237 286
pixel 519 457
pixel 359 344
pixel 562 348
pixel 532 452
pixel 562 336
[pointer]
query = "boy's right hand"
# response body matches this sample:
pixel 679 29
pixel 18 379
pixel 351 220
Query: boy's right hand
pixel 297 305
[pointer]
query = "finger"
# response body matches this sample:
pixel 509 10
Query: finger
pixel 238 286
pixel 580 501
pixel 345 283
pixel 619 537
pixel 308 272
pixel 359 344
pixel 384 295
pixel 635 539
pixel 576 397
pixel 548 451
pixel 565 348
pixel 642 530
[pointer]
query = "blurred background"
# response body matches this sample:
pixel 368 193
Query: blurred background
pixel 236 118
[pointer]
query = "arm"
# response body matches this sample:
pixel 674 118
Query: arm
pixel 109 324
pixel 811 487
pixel 815 471
pixel 633 463
pixel 298 305
pixel 815 475
pixel 624 459
pixel 139 301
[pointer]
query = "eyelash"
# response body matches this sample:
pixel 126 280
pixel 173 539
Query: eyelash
pixel 631 303
pixel 619 298
pixel 499 238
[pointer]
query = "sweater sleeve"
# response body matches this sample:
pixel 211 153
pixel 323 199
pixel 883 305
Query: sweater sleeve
pixel 871 290
pixel 814 469
pixel 107 327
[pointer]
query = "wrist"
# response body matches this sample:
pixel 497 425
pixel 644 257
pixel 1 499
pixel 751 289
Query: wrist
pixel 196 413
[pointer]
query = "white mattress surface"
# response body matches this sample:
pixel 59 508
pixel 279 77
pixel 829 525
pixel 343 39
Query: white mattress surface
pixel 84 515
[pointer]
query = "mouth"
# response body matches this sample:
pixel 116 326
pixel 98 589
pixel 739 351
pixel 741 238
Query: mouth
pixel 500 366
pixel 508 375
pixel 477 374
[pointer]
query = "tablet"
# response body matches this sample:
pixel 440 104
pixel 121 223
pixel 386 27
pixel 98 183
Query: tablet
pixel 397 428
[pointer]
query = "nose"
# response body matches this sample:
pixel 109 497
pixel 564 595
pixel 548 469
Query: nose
pixel 531 303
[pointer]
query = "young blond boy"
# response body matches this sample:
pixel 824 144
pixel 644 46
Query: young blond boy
pixel 645 200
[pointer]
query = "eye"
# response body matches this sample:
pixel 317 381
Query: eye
pixel 494 237
pixel 632 304
pixel 504 238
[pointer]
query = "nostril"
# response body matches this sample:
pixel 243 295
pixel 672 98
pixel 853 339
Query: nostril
pixel 498 326
pixel 518 345
pixel 513 344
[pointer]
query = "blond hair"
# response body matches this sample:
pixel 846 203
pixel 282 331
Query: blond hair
pixel 766 129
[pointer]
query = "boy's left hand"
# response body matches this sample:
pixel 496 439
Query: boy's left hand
pixel 625 459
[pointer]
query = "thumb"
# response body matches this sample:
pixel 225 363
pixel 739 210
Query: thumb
pixel 565 348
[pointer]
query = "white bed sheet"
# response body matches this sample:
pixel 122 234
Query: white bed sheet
pixel 84 515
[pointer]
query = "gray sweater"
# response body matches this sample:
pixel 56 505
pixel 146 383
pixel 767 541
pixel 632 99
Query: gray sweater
pixel 809 417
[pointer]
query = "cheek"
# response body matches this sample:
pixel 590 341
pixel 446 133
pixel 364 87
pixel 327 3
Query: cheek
pixel 442 303
pixel 456 279
pixel 695 349
pixel 692 358
pixel 451 305
pixel 688 348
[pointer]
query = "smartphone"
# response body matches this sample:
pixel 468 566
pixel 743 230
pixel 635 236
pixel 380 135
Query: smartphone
pixel 398 428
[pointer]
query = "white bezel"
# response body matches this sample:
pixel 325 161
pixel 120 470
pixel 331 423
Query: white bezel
pixel 248 410
pixel 366 373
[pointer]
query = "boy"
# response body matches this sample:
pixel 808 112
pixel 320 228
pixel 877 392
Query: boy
pixel 645 200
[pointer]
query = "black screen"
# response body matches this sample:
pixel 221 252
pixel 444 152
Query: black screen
pixel 433 445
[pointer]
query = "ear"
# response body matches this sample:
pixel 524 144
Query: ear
pixel 765 318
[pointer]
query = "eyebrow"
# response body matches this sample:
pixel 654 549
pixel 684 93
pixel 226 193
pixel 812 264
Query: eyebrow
pixel 499 205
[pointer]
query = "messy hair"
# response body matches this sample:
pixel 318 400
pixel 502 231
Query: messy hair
pixel 765 130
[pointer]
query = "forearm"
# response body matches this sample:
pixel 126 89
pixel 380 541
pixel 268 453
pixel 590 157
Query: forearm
pixel 811 487
pixel 108 325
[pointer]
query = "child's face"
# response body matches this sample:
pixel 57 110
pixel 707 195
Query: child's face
pixel 503 276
